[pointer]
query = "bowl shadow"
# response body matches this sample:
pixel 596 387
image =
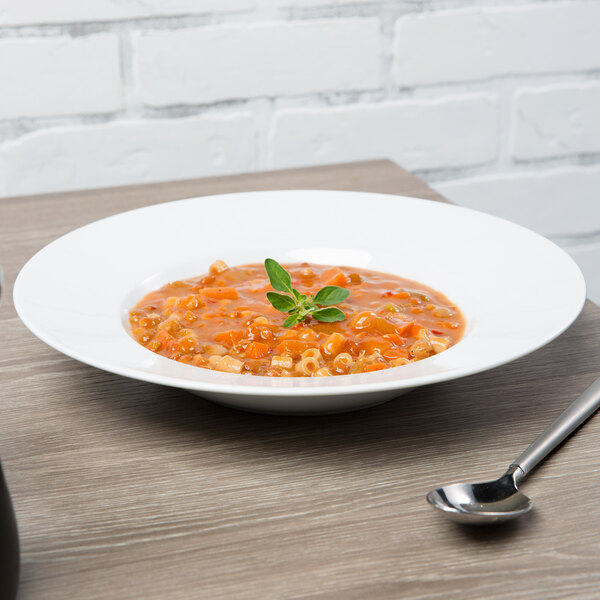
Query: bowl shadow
pixel 466 429
pixel 495 409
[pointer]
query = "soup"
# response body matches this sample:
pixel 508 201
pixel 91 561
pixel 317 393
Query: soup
pixel 224 321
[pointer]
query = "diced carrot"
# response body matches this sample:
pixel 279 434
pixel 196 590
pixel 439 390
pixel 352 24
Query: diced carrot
pixel 294 347
pixel 384 326
pixel 187 345
pixel 409 329
pixel 374 345
pixel 363 320
pixel 404 328
pixel 394 338
pixel 402 295
pixel 169 304
pixel 259 332
pixel 340 279
pixel 219 293
pixel 374 367
pixel 289 334
pixel 191 302
pixel 257 350
pixel 167 341
pixel 414 329
pixel 334 276
pixel 395 353
pixel 229 337
pixel 218 267
pixel 416 310
pixel 307 334
pixel 351 347
pixel 163 336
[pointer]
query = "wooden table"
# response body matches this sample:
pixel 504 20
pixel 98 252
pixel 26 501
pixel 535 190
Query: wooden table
pixel 127 490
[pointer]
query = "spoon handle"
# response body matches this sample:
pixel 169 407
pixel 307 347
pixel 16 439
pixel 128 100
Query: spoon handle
pixel 574 416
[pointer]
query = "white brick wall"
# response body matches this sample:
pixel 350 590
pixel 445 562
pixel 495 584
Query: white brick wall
pixel 199 66
pixel 74 157
pixel 423 134
pixel 496 103
pixel 554 202
pixel 59 76
pixel 311 3
pixel 587 256
pixel 26 12
pixel 463 45
pixel 557 120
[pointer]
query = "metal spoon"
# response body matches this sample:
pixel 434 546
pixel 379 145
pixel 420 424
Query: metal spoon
pixel 500 500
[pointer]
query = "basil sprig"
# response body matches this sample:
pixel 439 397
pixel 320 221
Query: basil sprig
pixel 299 306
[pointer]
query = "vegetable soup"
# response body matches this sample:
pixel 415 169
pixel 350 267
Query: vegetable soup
pixel 231 320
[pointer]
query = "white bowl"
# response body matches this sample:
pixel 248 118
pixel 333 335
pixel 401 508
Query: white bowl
pixel 516 289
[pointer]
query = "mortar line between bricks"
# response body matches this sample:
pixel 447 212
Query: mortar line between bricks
pixel 319 100
pixel 540 79
pixel 579 158
pixel 154 23
pixel 322 99
pixel 433 176
pixel 333 12
pixel 130 100
pixel 573 240
pixel 165 23
pixel 189 20
pixel 443 175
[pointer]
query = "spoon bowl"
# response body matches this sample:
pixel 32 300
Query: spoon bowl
pixel 483 503
pixel 500 500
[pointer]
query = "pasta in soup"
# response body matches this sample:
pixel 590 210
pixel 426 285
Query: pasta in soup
pixel 224 321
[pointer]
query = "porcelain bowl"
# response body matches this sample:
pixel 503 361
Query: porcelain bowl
pixel 517 290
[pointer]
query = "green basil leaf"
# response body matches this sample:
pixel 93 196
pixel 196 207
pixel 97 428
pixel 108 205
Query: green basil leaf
pixel 329 315
pixel 292 320
pixel 331 294
pixel 280 279
pixel 281 302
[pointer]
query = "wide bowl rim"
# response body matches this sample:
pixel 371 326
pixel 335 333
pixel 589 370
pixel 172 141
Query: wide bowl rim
pixel 338 385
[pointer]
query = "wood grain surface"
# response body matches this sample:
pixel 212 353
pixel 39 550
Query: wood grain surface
pixel 127 490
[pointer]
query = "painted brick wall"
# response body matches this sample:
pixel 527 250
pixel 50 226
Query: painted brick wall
pixel 495 103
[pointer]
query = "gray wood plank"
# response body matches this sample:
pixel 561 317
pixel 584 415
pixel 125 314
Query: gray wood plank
pixel 129 490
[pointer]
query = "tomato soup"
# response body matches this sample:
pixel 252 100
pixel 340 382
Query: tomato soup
pixel 223 321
